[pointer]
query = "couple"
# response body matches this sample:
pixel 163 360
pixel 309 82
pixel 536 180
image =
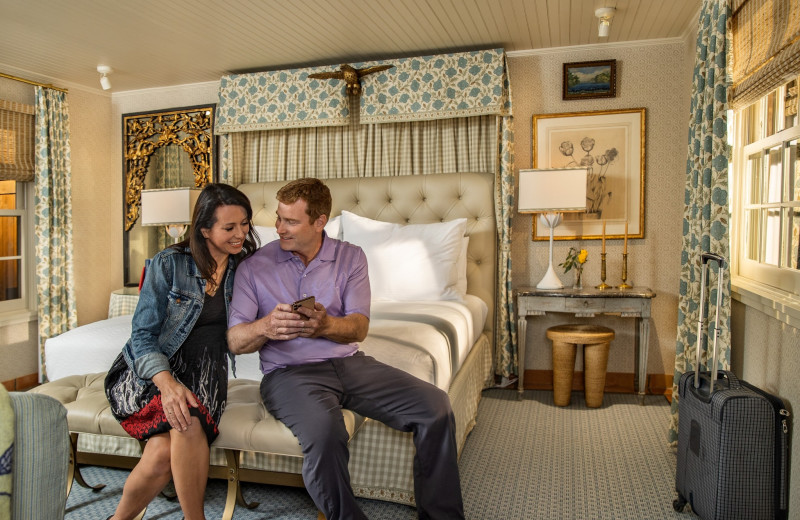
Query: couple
pixel 169 384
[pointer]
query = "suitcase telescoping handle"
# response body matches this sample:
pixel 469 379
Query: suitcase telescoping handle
pixel 705 257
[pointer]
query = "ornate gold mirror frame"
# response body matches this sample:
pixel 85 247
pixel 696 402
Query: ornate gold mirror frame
pixel 164 149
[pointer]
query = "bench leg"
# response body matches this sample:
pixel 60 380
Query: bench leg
pixel 234 486
pixel 74 472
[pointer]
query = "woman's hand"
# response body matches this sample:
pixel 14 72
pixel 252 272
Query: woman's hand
pixel 175 399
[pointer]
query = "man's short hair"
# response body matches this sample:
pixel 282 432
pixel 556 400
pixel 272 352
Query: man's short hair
pixel 313 191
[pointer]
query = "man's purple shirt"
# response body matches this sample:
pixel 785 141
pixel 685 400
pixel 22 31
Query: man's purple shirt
pixel 337 277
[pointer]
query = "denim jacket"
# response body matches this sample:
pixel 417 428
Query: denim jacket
pixel 169 304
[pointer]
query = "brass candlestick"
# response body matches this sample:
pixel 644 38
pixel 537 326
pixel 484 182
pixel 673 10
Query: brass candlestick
pixel 624 285
pixel 603 284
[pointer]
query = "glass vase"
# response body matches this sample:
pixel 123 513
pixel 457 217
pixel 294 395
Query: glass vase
pixel 578 284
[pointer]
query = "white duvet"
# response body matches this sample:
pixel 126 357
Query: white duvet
pixel 429 339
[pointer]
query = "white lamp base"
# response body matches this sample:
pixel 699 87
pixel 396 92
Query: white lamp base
pixel 550 279
pixel 176 231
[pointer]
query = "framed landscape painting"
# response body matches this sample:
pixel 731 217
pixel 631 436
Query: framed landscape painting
pixel 611 145
pixel 590 79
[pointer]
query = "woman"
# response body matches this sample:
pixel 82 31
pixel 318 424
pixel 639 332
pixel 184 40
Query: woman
pixel 169 385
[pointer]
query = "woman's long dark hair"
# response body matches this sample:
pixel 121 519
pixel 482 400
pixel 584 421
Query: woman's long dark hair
pixel 213 196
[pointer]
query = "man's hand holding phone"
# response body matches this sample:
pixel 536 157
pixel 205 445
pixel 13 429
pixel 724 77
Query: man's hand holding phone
pixel 308 303
pixel 306 310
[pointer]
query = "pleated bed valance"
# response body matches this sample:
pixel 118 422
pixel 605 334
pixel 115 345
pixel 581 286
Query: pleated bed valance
pixel 422 88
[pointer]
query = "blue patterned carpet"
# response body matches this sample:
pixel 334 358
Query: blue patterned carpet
pixel 525 459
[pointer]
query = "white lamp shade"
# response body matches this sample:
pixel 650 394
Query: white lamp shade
pixel 168 206
pixel 552 190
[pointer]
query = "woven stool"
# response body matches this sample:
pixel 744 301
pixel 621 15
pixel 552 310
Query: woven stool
pixel 566 339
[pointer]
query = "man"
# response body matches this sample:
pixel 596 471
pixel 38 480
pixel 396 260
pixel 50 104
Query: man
pixel 312 366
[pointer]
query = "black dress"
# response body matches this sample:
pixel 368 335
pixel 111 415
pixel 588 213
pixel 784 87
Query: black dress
pixel 200 364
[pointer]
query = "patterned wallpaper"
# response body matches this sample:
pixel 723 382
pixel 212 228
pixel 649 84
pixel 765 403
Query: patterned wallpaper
pixel 656 77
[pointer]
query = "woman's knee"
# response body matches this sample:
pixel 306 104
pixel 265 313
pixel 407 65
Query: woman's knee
pixel 159 454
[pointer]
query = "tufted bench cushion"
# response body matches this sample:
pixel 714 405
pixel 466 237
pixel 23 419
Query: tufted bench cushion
pixel 246 426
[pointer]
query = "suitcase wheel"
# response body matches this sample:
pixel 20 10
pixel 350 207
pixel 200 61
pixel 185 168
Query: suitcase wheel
pixel 679 503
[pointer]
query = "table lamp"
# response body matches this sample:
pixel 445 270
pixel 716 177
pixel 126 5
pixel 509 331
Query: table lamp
pixel 170 207
pixel 549 193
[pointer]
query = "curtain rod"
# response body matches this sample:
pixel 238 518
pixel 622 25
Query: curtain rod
pixel 15 78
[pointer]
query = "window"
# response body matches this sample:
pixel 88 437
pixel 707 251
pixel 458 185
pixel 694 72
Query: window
pixel 15 274
pixel 766 170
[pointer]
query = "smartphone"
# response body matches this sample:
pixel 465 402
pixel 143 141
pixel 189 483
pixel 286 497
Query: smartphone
pixel 305 302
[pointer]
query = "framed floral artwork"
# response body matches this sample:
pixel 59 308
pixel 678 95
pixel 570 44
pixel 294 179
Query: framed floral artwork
pixel 611 145
pixel 589 80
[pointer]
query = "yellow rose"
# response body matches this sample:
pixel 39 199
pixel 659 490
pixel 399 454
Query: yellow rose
pixel 582 256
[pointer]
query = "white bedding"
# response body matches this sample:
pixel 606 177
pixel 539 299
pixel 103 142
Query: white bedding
pixel 462 323
pixel 428 339
pixel 86 349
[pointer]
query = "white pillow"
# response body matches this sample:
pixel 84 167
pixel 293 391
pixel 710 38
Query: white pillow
pixel 266 234
pixel 269 233
pixel 412 262
pixel 334 227
pixel 461 268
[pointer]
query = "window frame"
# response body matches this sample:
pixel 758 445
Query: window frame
pixel 769 288
pixel 23 309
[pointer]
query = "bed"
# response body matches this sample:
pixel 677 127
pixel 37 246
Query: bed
pixel 436 326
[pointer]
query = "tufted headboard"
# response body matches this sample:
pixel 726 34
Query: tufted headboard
pixel 414 199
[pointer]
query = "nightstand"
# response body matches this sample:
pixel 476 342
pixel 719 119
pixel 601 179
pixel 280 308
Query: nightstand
pixel 627 303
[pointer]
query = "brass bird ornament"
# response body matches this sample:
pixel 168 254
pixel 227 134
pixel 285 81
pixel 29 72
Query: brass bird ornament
pixel 351 76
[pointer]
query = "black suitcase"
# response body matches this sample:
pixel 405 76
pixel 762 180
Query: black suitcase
pixel 732 438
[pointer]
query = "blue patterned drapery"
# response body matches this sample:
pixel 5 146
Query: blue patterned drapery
pixel 416 90
pixel 506 359
pixel 53 219
pixel 706 225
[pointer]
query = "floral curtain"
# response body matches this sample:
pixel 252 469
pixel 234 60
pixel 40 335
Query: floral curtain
pixel 506 359
pixel 53 219
pixel 706 224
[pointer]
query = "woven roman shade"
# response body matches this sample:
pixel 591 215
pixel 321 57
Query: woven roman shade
pixel 765 35
pixel 16 141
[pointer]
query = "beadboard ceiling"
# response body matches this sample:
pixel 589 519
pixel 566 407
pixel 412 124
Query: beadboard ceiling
pixel 159 43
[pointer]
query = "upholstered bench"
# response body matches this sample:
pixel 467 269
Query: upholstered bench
pixel 245 428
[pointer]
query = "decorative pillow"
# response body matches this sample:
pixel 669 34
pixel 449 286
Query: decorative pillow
pixel 412 262
pixel 267 234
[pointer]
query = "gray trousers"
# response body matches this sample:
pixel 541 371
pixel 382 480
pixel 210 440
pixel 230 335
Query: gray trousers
pixel 309 398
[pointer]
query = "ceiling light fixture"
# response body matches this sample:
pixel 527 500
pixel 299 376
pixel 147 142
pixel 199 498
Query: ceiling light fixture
pixel 605 14
pixel 105 70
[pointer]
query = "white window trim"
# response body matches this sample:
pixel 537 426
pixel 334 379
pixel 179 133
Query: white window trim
pixel 26 311
pixel 782 305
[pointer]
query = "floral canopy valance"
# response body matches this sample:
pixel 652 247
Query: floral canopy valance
pixel 415 89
